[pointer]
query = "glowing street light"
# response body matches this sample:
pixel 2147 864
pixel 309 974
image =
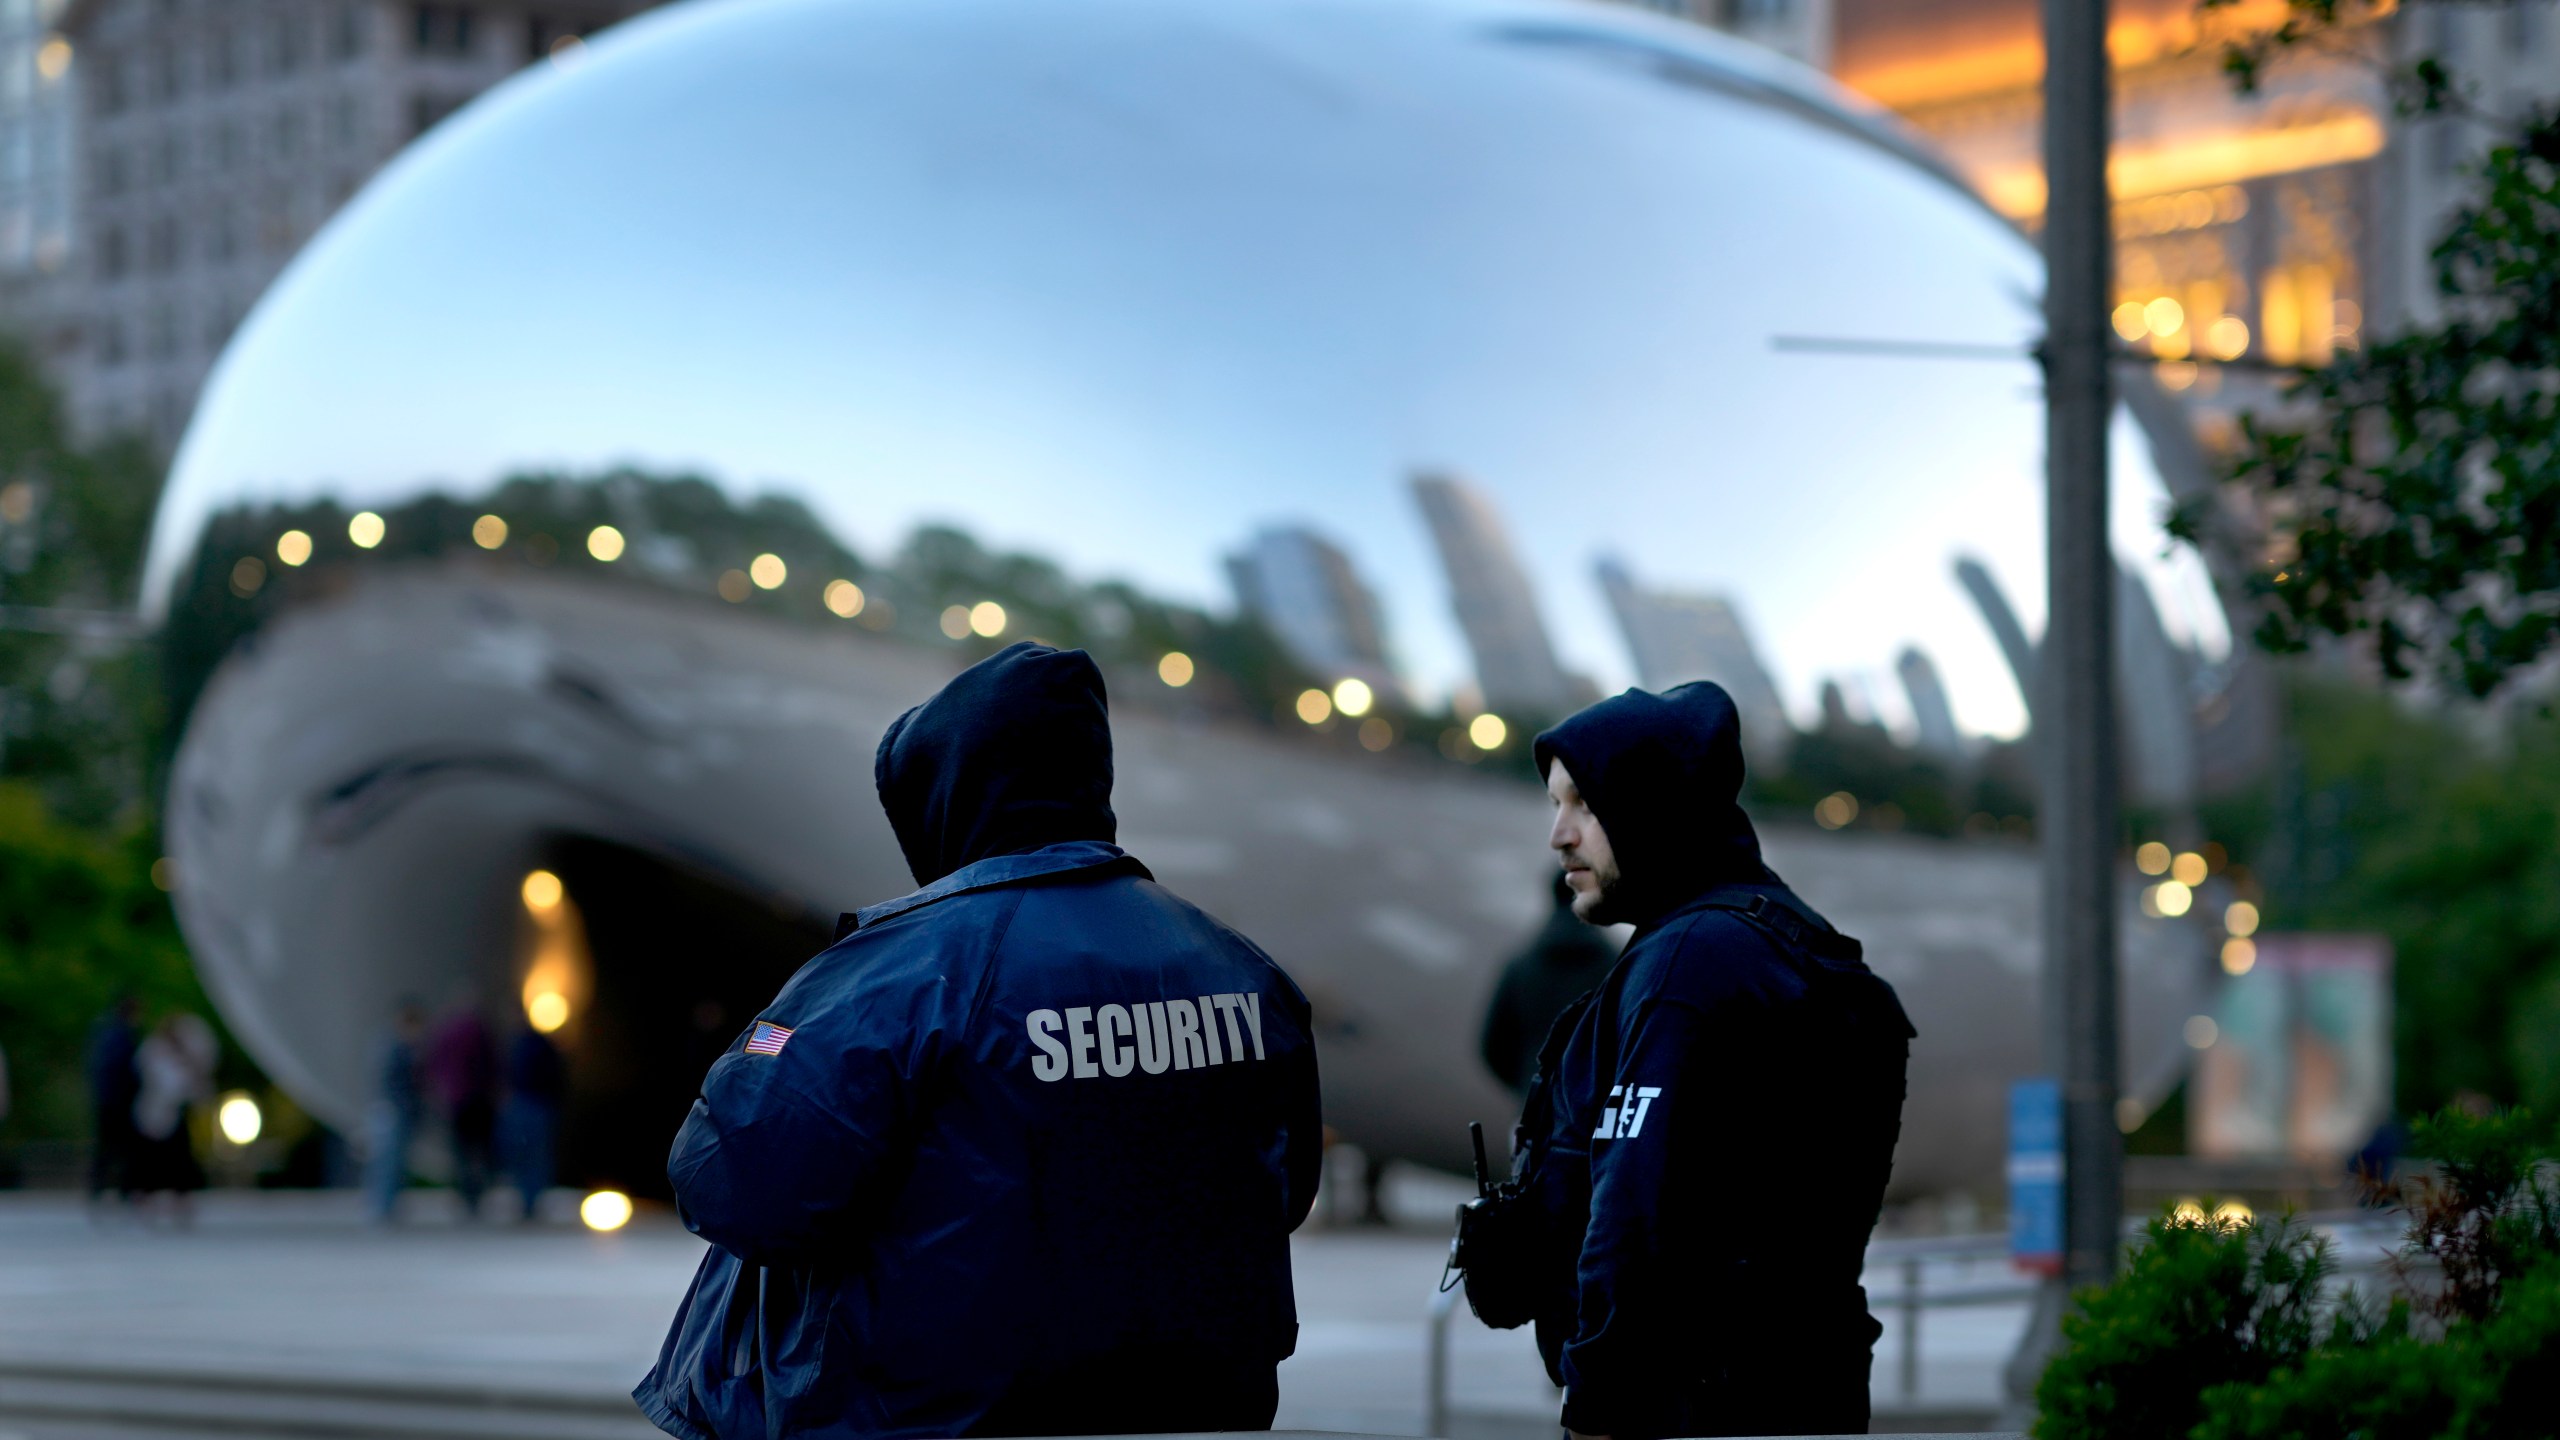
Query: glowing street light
pixel 605 543
pixel 768 571
pixel 987 618
pixel 293 547
pixel 366 529
pixel 1487 731
pixel 488 532
pixel 1353 697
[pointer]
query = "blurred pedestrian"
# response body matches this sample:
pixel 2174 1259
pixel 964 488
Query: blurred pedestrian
pixel 112 1085
pixel 462 1071
pixel 173 1068
pixel 537 1079
pixel 397 1106
pixel 1560 966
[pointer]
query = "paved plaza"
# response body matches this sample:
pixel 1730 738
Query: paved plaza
pixel 279 1291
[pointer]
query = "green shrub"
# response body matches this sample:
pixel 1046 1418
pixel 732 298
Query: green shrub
pixel 2221 1332
pixel 2202 1304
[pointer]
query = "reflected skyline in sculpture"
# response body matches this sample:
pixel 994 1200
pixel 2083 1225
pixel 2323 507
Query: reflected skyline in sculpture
pixel 1390 239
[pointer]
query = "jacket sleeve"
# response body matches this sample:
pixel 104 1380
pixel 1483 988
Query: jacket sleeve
pixel 781 1160
pixel 1304 1117
pixel 1624 1356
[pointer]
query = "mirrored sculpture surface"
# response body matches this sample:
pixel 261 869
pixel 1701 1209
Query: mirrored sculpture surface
pixel 1458 299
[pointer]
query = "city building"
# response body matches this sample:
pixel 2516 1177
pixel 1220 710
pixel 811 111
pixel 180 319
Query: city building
pixel 1302 587
pixel 39 193
pixel 1931 716
pixel 2279 226
pixel 1516 667
pixel 1675 638
pixel 213 138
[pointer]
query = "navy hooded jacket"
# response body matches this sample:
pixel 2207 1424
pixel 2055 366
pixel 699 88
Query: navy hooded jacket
pixel 1714 1127
pixel 1020 1154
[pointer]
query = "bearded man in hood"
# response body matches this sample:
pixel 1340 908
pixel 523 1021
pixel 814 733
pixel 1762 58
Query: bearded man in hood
pixel 1019 1154
pixel 1709 1139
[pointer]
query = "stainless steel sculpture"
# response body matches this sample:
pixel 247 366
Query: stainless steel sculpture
pixel 1116 282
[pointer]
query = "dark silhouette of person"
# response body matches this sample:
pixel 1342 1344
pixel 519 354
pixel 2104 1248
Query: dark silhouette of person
pixel 174 1066
pixel 1559 967
pixel 1711 1137
pixel 398 1104
pixel 462 1072
pixel 1021 1152
pixel 113 1086
pixel 537 1082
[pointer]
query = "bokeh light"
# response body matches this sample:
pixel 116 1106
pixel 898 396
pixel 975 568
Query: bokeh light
pixel 2238 955
pixel 2240 918
pixel 239 1118
pixel 2172 898
pixel 547 1011
pixel 2152 858
pixel 1175 669
pixel 1376 734
pixel 768 571
pixel 293 547
pixel 542 890
pixel 605 1211
pixel 1314 706
pixel 1353 698
pixel 1488 732
pixel 605 543
pixel 488 532
pixel 987 618
pixel 1835 810
pixel 2201 1032
pixel 2188 869
pixel 366 529
pixel 843 598
pixel 955 621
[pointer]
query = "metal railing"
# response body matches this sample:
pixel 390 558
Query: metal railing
pixel 1909 1263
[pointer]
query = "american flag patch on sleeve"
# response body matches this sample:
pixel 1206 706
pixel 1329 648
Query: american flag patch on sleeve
pixel 767 1038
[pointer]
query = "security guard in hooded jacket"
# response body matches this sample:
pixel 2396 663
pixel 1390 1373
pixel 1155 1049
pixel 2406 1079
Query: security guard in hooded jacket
pixel 1018 1155
pixel 1708 1143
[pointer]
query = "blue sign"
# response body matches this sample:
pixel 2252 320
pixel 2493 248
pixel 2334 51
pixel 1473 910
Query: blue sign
pixel 2035 1175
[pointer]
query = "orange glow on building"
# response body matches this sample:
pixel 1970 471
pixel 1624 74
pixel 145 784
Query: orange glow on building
pixel 2215 159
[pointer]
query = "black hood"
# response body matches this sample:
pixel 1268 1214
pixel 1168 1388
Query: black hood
pixel 1664 775
pixel 1012 755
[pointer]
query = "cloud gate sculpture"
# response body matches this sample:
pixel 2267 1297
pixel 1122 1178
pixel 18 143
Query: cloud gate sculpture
pixel 1440 336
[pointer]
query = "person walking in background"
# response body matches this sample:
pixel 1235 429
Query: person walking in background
pixel 537 1080
pixel 462 1070
pixel 112 1086
pixel 393 1124
pixel 173 1069
pixel 1559 967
